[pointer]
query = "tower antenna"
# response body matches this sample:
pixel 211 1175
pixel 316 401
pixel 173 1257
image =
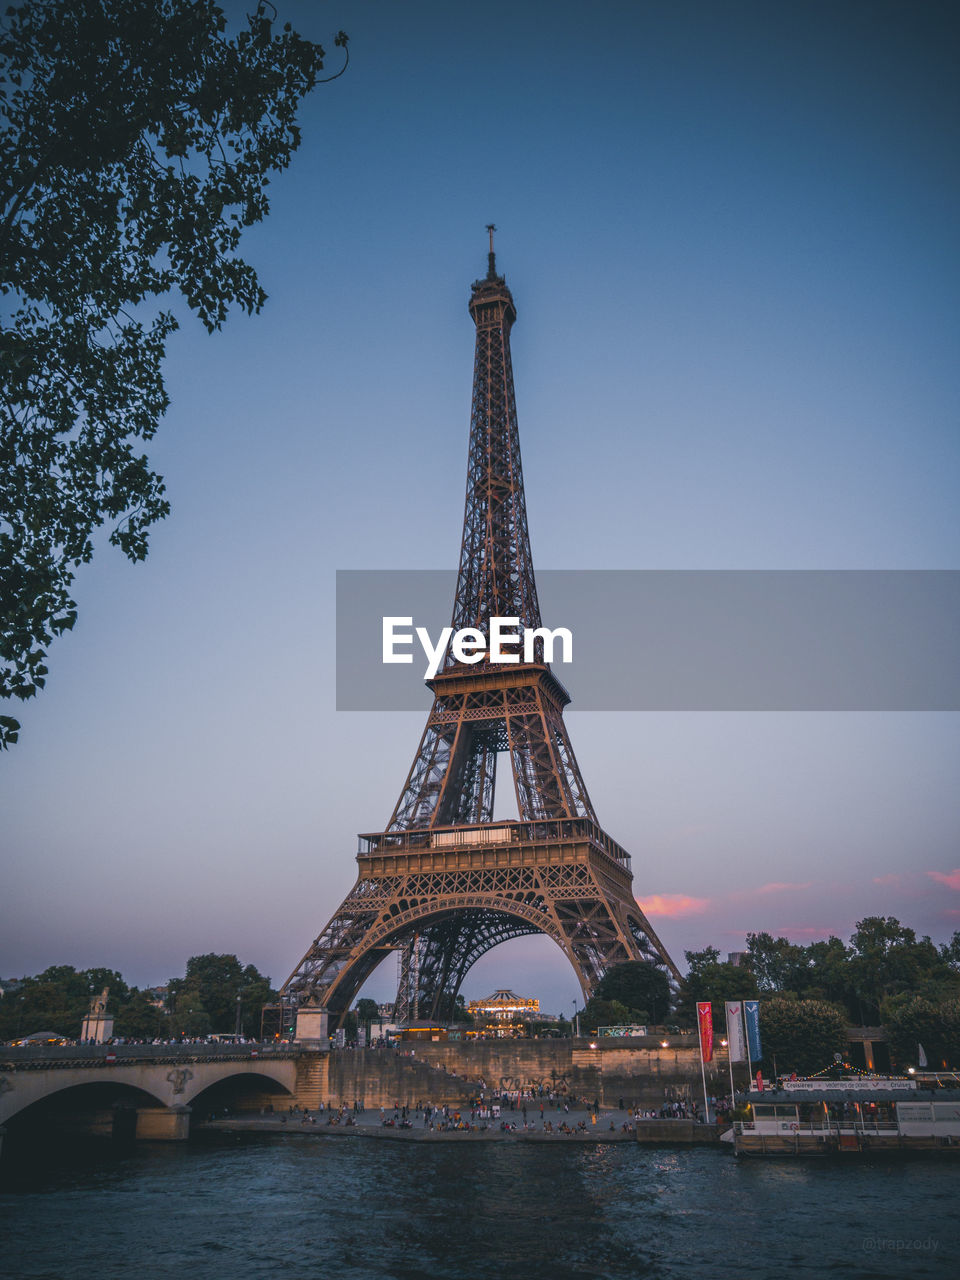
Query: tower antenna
pixel 491 259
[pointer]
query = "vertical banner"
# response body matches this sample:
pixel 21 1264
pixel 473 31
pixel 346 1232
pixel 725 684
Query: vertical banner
pixel 751 1012
pixel 736 1047
pixel 759 1082
pixel 705 1027
pixel 705 1032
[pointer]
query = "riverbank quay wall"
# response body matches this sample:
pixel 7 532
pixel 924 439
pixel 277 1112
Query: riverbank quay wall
pixel 640 1072
pixel 377 1078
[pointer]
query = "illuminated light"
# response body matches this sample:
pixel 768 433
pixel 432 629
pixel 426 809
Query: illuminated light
pixel 664 1044
pixel 593 1044
pixel 724 1043
pixel 911 1071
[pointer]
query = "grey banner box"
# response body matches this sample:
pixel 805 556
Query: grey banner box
pixel 690 640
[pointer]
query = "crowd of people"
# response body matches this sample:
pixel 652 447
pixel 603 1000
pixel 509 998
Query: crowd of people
pixel 721 1109
pixel 507 1112
pixel 115 1041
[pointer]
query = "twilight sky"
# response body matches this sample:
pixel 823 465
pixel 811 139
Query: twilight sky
pixel 731 234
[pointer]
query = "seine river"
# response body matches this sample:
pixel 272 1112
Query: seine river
pixel 262 1206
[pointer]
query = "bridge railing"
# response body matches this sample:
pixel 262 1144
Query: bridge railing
pixel 41 1056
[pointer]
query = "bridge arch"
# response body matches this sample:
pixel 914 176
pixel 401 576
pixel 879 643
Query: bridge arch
pixel 189 1080
pixel 56 1090
pixel 236 1091
pixel 72 1108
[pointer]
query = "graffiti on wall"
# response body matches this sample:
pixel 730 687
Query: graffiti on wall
pixel 555 1082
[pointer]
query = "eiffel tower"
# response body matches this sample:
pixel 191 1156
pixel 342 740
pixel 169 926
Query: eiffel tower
pixel 444 883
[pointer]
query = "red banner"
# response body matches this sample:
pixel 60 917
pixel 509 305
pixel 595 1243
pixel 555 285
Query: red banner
pixel 759 1082
pixel 705 1026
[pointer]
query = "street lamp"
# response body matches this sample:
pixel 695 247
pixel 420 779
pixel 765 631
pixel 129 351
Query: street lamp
pixel 239 1007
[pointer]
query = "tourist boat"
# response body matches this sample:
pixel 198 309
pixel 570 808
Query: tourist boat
pixel 865 1115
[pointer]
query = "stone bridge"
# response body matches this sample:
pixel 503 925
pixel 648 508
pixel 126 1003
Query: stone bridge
pixel 160 1083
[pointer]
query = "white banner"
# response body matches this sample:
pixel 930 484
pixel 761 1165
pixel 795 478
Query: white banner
pixel 865 1084
pixel 736 1045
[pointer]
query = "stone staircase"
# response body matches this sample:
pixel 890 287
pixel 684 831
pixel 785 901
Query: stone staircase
pixel 382 1077
pixel 312 1079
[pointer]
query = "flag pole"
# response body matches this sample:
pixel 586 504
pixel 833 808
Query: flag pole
pixel 703 1070
pixel 746 1040
pixel 730 1065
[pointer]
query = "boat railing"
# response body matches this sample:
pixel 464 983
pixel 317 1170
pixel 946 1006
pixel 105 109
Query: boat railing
pixel 849 1125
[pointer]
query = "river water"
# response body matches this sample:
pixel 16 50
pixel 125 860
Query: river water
pixel 304 1208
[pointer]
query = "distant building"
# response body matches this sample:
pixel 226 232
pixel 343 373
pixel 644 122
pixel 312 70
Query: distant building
pixel 503 1013
pixel 382 1029
pixel 503 1006
pixel 738 958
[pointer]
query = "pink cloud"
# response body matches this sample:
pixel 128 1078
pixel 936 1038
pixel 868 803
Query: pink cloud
pixel 781 887
pixel 672 904
pixel 950 878
pixel 892 880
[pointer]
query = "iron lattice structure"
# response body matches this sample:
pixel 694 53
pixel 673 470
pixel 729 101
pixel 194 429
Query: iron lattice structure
pixel 444 883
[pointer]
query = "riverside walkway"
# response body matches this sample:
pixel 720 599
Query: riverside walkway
pixel 368 1124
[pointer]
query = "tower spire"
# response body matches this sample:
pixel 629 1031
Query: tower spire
pixel 491 257
pixel 495 577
